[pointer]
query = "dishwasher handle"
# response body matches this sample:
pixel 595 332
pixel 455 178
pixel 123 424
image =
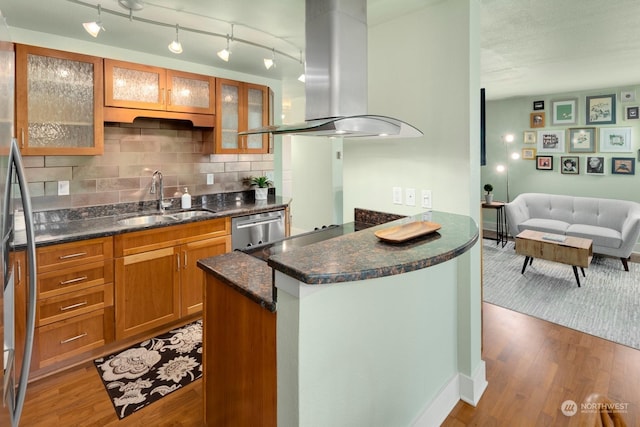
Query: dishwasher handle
pixel 259 221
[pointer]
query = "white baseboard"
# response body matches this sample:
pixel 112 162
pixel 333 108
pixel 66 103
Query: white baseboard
pixel 460 387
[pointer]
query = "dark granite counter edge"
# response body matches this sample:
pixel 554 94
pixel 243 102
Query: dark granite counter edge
pixel 321 279
pixel 249 276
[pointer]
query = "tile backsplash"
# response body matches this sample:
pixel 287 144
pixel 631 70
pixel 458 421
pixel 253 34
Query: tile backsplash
pixel 132 152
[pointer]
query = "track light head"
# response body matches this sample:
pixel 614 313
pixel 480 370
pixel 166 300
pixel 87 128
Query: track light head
pixel 94 27
pixel 224 53
pixel 270 62
pixel 175 46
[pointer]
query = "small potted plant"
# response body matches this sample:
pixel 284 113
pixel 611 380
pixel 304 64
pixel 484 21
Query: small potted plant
pixel 488 197
pixel 262 184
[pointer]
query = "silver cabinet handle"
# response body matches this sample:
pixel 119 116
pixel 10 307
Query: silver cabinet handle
pixel 72 255
pixel 178 261
pixel 76 280
pixel 77 337
pixel 72 306
pixel 185 260
pixel 19 272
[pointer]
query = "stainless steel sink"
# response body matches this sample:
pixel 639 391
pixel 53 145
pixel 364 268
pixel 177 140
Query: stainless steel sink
pixel 180 216
pixel 147 219
pixel 150 219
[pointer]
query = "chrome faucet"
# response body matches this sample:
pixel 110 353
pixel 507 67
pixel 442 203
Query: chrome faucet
pixel 157 176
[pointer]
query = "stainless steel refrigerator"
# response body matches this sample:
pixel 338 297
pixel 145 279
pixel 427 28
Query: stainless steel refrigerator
pixel 17 295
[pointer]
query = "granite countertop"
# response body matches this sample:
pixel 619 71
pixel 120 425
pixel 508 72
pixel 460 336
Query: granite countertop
pixel 361 255
pixel 54 227
pixel 250 276
pixel 355 256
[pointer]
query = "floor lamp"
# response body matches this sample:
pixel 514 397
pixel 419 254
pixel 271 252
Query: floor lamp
pixel 507 139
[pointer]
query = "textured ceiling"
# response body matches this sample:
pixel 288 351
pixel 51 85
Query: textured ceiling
pixel 528 47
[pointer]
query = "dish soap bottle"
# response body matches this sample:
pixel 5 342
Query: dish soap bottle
pixel 186 199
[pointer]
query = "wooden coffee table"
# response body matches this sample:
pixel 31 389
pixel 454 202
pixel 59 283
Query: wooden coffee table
pixel 575 251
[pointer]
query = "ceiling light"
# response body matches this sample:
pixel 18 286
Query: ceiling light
pixel 131 4
pixel 270 62
pixel 302 77
pixel 175 46
pixel 94 27
pixel 224 53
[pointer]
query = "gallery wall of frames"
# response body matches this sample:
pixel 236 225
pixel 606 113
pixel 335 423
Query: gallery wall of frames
pixel 581 143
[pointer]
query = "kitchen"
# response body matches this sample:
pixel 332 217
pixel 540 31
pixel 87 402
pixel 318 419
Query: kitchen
pixel 391 161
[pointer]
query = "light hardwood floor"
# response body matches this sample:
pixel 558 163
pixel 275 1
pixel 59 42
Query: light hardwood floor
pixel 532 367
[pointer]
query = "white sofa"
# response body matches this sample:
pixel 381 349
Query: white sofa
pixel 613 225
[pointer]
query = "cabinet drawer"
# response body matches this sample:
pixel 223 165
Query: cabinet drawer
pixel 75 278
pixel 56 257
pixel 66 338
pixel 68 305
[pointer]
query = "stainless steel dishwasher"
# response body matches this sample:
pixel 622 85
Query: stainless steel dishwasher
pixel 257 229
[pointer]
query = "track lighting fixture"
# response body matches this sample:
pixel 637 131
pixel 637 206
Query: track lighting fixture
pixel 224 53
pixel 94 27
pixel 175 46
pixel 270 62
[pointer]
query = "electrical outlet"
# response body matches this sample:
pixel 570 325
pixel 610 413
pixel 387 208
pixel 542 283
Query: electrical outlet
pixel 63 188
pixel 410 196
pixel 270 175
pixel 397 195
pixel 209 179
pixel 426 199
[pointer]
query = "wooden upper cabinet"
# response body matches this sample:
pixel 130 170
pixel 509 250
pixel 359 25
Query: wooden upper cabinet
pixel 241 106
pixel 146 91
pixel 58 102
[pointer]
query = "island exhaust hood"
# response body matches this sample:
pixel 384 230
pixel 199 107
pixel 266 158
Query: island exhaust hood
pixel 336 77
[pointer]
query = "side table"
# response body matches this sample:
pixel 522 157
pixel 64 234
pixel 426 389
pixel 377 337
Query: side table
pixel 501 220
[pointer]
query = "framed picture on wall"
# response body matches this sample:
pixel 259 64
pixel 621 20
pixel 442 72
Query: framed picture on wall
pixel 601 110
pixel 528 153
pixel 595 165
pixel 564 111
pixel 582 140
pixel 538 105
pixel 615 140
pixel 529 137
pixel 551 141
pixel 544 163
pixel 623 166
pixel 632 113
pixel 536 120
pixel 570 165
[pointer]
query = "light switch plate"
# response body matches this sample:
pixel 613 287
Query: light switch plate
pixel 63 188
pixel 397 195
pixel 426 199
pixel 209 179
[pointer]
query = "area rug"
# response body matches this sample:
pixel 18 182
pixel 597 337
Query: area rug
pixel 607 305
pixel 148 371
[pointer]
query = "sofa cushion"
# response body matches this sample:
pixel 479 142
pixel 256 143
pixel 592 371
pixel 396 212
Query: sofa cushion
pixel 544 225
pixel 601 236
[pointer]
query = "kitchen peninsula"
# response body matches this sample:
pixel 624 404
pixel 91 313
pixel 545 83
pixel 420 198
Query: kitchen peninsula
pixel 362 332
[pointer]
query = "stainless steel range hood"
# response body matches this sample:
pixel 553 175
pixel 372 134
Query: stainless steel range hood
pixel 336 77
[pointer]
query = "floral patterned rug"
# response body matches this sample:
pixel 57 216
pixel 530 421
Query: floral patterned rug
pixel 144 373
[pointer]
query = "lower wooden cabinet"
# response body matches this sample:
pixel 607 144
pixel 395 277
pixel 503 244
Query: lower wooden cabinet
pixel 75 304
pixel 157 279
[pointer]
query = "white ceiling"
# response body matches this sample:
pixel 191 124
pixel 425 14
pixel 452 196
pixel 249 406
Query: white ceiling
pixel 528 47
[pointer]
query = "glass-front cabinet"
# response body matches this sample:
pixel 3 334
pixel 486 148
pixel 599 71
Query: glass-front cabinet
pixel 58 102
pixel 139 86
pixel 241 106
